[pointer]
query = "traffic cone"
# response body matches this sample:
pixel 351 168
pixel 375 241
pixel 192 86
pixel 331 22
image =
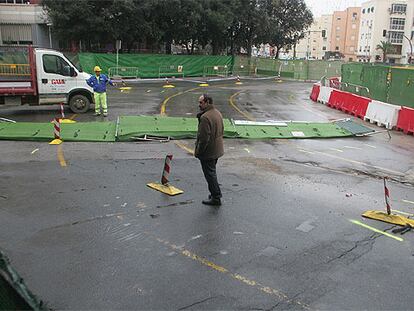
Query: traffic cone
pixel 167 84
pixel 238 82
pixel 165 186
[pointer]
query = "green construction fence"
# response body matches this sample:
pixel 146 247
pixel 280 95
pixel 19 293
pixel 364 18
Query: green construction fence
pixel 393 85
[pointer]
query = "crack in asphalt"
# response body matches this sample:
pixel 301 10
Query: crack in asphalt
pixel 198 302
pixel 369 241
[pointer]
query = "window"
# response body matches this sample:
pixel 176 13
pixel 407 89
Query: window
pixel 324 48
pixel 397 23
pixel 363 11
pixel 398 8
pixel 396 37
pixel 354 16
pixel 412 35
pixel 15 34
pixel 338 28
pixel 56 64
pixel 15 1
pixel 372 10
pixel 338 18
pixel 369 10
pixel 337 48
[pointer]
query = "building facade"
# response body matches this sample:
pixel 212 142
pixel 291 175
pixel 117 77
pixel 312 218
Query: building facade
pixel 345 33
pixel 386 21
pixel 24 22
pixel 317 39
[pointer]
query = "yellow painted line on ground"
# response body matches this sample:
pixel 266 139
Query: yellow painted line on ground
pixel 184 147
pixel 61 157
pixel 205 262
pixel 34 151
pixel 72 117
pixel 232 103
pixel 403 213
pixel 376 230
pixel 164 103
pixel 359 163
pixel 406 201
pixel 337 150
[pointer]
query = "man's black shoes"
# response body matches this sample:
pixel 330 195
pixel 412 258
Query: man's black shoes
pixel 212 202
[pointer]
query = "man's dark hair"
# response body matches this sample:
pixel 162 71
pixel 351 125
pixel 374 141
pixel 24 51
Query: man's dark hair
pixel 208 99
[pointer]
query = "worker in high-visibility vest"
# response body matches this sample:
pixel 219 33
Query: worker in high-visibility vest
pixel 98 82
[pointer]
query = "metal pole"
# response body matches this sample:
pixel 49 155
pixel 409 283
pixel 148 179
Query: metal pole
pixel 411 50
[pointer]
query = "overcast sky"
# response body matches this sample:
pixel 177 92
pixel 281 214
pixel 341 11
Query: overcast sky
pixel 319 7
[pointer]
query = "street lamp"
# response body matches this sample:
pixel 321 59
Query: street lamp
pixel 50 34
pixel 410 59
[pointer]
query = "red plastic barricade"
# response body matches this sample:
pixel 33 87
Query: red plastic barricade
pixel 349 103
pixel 315 92
pixel 405 121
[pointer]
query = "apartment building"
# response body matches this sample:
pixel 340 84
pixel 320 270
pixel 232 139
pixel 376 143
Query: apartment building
pixel 24 22
pixel 389 21
pixel 317 39
pixel 345 33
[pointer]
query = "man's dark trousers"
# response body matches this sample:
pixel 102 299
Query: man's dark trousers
pixel 209 170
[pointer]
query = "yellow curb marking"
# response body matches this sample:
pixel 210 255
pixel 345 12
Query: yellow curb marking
pixel 184 147
pixel 61 157
pixel 376 230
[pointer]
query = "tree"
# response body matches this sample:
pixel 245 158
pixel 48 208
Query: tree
pixel 287 21
pixel 386 48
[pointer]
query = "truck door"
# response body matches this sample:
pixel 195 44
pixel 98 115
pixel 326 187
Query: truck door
pixel 54 78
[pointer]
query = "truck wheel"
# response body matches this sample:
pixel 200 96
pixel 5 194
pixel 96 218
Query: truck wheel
pixel 79 104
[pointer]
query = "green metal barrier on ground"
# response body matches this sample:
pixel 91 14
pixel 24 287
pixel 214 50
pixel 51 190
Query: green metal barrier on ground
pixel 131 128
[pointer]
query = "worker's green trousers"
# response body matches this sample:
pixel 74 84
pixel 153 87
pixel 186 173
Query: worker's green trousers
pixel 100 101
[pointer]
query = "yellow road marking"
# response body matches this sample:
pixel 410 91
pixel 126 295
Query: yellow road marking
pixel 266 289
pixel 34 151
pixel 337 150
pixel 164 103
pixel 409 202
pixel 403 213
pixel 376 230
pixel 73 116
pixel 231 102
pixel 184 147
pixel 359 163
pixel 61 157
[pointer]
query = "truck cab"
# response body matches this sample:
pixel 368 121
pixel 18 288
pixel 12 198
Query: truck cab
pixel 48 78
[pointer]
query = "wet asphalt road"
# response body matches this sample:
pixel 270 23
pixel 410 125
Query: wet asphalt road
pixel 83 230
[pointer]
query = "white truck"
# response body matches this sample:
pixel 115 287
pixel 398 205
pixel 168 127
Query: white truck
pixel 47 77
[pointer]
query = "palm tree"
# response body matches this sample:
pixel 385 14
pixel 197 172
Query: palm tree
pixel 386 48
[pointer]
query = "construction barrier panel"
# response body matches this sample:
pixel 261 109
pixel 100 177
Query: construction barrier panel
pixel 324 94
pixel 349 103
pixel 315 92
pixel 154 65
pixel 401 91
pixel 405 121
pixel 382 114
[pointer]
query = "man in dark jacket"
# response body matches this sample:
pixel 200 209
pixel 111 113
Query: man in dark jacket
pixel 209 145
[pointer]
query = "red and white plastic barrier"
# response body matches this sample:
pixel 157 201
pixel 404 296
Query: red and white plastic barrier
pixel 405 121
pixel 56 128
pixel 315 92
pixel 166 171
pixel 324 94
pixel 62 111
pixel 383 114
pixel 349 103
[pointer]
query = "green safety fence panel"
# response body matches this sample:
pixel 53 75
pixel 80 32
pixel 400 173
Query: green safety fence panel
pixel 14 294
pixel 401 91
pixel 375 78
pixel 130 127
pixel 292 130
pixel 150 66
pixel 87 131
